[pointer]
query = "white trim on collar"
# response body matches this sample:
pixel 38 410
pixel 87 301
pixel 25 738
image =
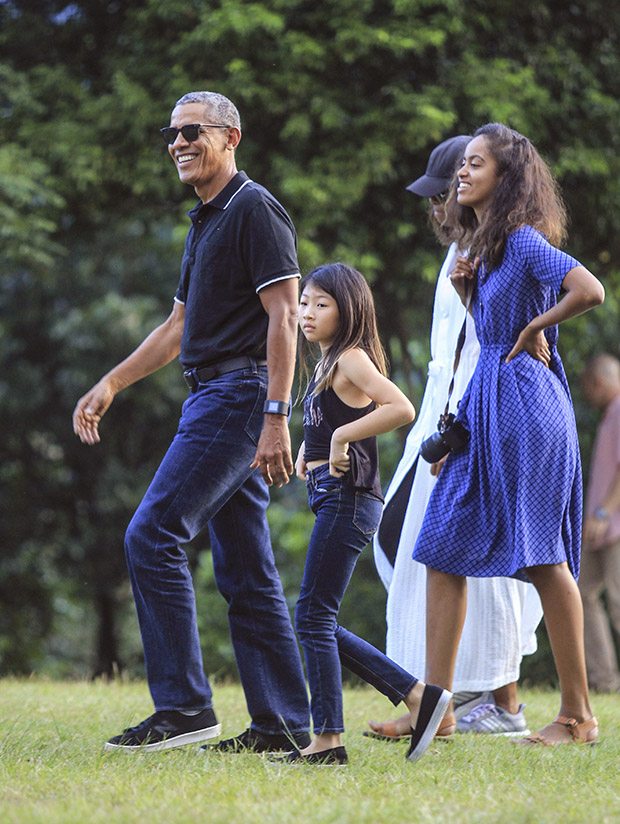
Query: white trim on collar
pixel 245 183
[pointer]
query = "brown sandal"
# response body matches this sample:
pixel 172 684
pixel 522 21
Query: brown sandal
pixel 447 726
pixel 388 730
pixel 584 733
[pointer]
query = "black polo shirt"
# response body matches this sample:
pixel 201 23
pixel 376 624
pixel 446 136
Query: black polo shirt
pixel 239 242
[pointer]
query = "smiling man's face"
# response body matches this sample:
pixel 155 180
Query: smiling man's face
pixel 200 161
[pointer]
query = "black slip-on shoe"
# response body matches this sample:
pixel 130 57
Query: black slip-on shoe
pixel 334 757
pixel 165 730
pixel 251 740
pixel 433 706
pixel 379 736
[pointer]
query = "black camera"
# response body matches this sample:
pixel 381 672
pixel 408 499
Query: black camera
pixel 451 434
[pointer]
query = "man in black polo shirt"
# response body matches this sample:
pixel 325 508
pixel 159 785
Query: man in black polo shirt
pixel 234 323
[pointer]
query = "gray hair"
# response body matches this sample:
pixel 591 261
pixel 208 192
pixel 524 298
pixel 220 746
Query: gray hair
pixel 221 109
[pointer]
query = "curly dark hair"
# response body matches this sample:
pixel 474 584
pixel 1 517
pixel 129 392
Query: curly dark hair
pixel 527 195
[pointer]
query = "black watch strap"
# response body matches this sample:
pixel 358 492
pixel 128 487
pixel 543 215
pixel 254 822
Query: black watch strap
pixel 277 407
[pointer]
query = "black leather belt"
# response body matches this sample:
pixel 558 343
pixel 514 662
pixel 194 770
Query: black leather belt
pixel 202 374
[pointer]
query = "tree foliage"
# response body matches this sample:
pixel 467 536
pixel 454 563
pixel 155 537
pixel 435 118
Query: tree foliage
pixel 341 102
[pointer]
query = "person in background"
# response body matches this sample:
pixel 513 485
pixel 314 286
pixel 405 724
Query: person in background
pixel 600 560
pixel 502 613
pixel 234 323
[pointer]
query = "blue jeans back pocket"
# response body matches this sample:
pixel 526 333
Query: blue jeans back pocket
pixel 367 513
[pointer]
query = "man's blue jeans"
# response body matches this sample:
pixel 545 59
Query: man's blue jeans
pixel 346 520
pixel 205 479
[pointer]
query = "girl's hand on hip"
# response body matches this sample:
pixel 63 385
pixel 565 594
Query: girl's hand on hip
pixel 339 459
pixel 300 463
pixel 534 343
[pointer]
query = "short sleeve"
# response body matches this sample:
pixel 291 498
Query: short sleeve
pixel 181 293
pixel 269 244
pixel 545 262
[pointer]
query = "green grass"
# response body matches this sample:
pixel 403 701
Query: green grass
pixel 53 768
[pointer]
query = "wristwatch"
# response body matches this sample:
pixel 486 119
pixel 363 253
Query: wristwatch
pixel 277 407
pixel 601 513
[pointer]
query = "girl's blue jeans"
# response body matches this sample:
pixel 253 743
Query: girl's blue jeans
pixel 205 480
pixel 346 520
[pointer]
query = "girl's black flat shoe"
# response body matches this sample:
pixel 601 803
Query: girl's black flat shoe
pixel 435 701
pixel 335 757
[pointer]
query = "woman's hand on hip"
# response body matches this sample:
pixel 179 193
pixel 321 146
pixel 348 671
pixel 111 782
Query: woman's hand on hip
pixel 534 343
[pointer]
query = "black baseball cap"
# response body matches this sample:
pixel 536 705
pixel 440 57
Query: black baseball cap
pixel 440 167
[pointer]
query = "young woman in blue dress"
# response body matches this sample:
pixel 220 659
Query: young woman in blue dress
pixel 348 402
pixel 509 501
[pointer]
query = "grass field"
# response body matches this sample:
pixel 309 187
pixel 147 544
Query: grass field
pixel 53 768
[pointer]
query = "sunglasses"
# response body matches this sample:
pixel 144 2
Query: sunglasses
pixel 439 199
pixel 190 132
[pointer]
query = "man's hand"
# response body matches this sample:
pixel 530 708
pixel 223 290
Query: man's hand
pixel 594 530
pixel 155 351
pixel 273 454
pixel 89 410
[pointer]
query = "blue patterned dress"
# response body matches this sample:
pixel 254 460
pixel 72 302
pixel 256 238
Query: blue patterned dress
pixel 511 498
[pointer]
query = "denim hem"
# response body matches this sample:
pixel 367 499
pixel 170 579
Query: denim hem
pixel 414 681
pixel 281 730
pixel 184 709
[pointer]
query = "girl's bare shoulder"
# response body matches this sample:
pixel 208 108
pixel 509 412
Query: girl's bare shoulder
pixel 353 359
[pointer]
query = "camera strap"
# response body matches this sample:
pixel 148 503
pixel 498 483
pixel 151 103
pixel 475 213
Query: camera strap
pixel 460 343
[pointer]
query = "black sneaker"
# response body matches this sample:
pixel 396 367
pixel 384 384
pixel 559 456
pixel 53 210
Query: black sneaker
pixel 254 741
pixel 166 729
pixel 335 757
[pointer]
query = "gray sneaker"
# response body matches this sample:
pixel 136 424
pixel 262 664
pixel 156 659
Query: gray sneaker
pixel 492 720
pixel 464 702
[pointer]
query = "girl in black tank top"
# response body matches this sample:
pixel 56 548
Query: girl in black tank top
pixel 323 413
pixel 349 401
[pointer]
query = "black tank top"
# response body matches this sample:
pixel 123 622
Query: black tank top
pixel 325 412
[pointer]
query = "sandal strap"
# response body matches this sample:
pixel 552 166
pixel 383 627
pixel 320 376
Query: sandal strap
pixel 578 731
pixel 537 738
pixel 447 726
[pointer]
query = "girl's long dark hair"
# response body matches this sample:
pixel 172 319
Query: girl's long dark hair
pixel 357 328
pixel 527 194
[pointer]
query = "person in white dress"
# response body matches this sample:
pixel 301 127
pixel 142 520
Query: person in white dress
pixel 502 613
